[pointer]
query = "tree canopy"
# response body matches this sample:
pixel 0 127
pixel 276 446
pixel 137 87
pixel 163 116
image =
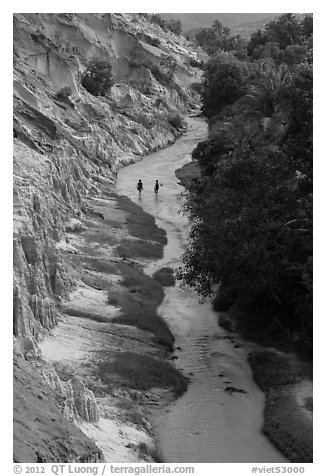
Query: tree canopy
pixel 285 39
pixel 217 38
pixel 224 83
pixel 250 210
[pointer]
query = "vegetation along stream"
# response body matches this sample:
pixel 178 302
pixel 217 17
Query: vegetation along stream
pixel 219 418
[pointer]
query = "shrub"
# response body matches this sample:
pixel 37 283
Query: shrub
pixel 139 249
pixel 274 370
pixel 153 41
pixel 141 224
pixel 160 102
pixel 223 300
pixel 224 83
pixel 97 78
pixel 63 95
pixel 176 121
pixel 196 64
pixel 138 305
pixel 197 88
pixel 145 89
pixel 142 372
pixel 284 422
pixel 144 120
pixel 146 450
pixel 165 276
pixel 160 75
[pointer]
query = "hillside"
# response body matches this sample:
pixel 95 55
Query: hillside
pixel 235 21
pixel 68 146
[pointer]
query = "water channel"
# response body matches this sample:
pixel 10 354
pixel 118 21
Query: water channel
pixel 207 424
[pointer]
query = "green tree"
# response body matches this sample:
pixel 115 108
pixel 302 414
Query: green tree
pixel 307 26
pixel 251 208
pixel 264 100
pixel 298 142
pixel 270 50
pixel 250 240
pixel 285 30
pixel 224 83
pixel 97 78
pixel 281 34
pixel 168 65
pixel 206 38
pixel 294 54
pixel 217 38
pixel 258 38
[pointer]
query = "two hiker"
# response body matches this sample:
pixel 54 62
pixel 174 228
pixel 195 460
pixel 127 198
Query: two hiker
pixel 140 186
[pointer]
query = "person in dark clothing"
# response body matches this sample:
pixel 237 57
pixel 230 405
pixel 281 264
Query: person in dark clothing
pixel 139 186
pixel 156 187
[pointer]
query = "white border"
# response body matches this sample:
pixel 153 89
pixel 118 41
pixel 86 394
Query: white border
pixel 318 9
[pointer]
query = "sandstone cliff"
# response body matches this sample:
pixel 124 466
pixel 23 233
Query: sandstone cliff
pixel 67 148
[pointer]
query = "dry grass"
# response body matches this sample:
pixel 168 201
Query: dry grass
pixel 139 302
pixel 272 370
pixel 135 417
pixel 149 238
pixel 141 224
pixel 139 249
pixel 95 263
pixel 86 314
pixel 286 428
pixel 154 453
pixel 142 372
pixel 165 276
pixel 284 423
pixel 101 237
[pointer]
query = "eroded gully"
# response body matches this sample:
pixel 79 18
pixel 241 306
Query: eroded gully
pixel 207 424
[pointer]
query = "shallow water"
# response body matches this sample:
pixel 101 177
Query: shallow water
pixel 207 424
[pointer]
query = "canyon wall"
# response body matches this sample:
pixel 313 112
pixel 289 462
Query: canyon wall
pixel 68 146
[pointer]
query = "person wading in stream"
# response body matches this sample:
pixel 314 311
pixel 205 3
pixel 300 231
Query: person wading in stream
pixel 139 186
pixel 156 187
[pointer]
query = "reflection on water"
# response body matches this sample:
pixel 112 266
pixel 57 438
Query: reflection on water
pixel 209 423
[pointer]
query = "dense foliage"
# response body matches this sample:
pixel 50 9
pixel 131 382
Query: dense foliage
pixel 218 38
pixel 285 39
pixel 250 244
pixel 176 121
pixel 224 83
pixel 97 78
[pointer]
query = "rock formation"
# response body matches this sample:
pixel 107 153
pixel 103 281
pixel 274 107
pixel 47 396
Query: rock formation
pixel 68 146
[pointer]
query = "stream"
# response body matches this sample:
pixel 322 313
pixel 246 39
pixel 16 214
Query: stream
pixel 207 424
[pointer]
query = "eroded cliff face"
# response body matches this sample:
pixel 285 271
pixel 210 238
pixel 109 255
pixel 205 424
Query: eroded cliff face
pixel 42 433
pixel 66 151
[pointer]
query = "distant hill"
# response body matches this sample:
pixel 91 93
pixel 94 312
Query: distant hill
pixel 237 22
pixel 247 29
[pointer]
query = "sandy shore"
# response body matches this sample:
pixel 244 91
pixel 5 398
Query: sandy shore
pixel 94 334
